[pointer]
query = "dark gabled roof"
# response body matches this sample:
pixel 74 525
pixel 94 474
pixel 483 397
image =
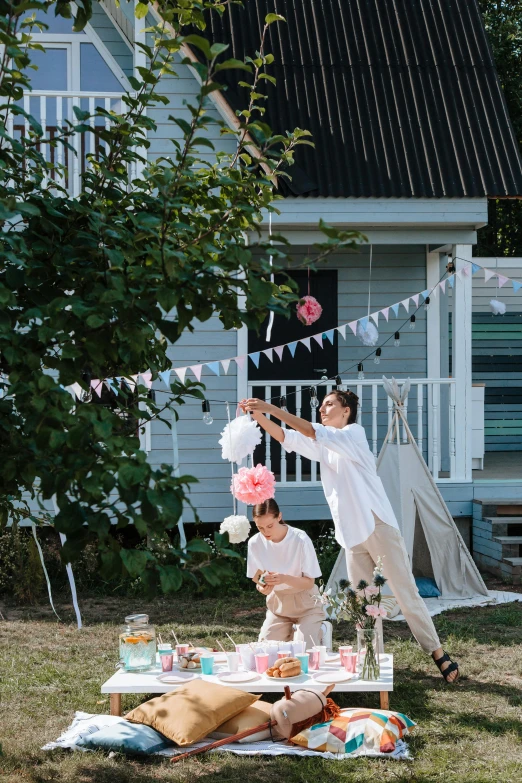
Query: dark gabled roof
pixel 401 96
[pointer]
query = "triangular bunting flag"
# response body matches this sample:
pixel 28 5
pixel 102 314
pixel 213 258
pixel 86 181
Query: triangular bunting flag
pixel 225 363
pixel 395 308
pixel 214 366
pixel 165 377
pixel 406 304
pixel 502 280
pixel 318 339
pixel 279 351
pixel 96 386
pixel 459 273
pixel 342 331
pixel 451 280
pixel 132 381
pixel 353 326
pixel 425 294
pixel 364 322
pixel 269 353
pixel 146 378
pixel 306 341
pixel 329 335
pixel 516 285
pixel 474 268
pixel 465 270
pixel 292 347
pixel 181 372
pixel 254 357
pixel 112 384
pixel 442 286
pixel 386 312
pixel 196 369
pixel 416 299
pixel 488 274
pixel 77 389
pixel 375 318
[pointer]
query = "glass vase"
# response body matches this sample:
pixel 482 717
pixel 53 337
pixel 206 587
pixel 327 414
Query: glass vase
pixel 368 650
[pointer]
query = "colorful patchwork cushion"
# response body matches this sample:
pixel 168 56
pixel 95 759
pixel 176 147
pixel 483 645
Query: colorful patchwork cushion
pixel 376 730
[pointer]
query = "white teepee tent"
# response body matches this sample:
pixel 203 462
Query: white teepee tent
pixel 434 544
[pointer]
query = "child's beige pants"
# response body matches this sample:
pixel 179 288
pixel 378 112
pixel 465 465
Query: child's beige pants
pixel 286 608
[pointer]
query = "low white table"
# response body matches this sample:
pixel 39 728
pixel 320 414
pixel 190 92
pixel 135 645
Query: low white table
pixel 147 682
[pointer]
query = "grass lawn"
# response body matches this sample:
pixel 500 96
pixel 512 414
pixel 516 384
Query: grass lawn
pixel 470 733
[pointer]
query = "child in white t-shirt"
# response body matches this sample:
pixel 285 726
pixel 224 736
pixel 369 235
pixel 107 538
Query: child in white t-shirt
pixel 286 558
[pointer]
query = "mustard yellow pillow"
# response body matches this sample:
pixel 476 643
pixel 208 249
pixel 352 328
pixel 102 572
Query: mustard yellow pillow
pixel 192 712
pixel 253 716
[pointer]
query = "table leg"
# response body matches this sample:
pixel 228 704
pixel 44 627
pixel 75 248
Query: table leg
pixel 385 700
pixel 115 703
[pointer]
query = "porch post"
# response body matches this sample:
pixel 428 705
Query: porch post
pixel 461 364
pixel 140 61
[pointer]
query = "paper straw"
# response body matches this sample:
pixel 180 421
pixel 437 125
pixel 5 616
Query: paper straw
pixel 217 640
pixel 175 637
pixel 233 642
pixel 313 643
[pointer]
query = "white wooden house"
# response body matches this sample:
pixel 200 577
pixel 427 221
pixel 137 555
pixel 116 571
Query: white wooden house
pixel 412 138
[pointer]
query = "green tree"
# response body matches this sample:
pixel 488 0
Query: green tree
pixel 98 286
pixel 503 21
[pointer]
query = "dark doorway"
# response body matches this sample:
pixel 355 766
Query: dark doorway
pixel 306 365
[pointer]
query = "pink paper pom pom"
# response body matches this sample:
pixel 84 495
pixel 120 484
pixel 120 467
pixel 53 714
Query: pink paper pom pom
pixel 308 310
pixel 253 485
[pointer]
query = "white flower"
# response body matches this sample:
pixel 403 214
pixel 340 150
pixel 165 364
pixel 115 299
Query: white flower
pixel 239 439
pixel 237 527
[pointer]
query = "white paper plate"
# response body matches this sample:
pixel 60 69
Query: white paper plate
pixel 283 679
pixel 331 678
pixel 174 678
pixel 238 676
pixel 334 658
pixel 184 669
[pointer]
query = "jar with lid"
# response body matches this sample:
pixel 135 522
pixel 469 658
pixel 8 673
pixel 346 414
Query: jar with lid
pixel 138 644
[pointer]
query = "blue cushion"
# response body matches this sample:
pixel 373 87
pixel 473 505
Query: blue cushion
pixel 427 587
pixel 126 738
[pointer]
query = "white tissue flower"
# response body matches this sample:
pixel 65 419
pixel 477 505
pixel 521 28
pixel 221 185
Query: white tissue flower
pixel 239 439
pixel 237 527
pixel 369 334
pixel 497 307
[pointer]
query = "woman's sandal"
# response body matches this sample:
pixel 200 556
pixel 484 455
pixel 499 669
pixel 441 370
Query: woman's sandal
pixel 453 667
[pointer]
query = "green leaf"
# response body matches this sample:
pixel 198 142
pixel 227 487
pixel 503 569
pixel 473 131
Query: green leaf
pixel 233 63
pixel 271 18
pixel 171 578
pixel 198 545
pixel 135 561
pixel 260 291
pixel 218 48
pixel 141 10
pixel 200 43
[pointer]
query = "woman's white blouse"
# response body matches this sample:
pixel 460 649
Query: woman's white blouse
pixel 351 485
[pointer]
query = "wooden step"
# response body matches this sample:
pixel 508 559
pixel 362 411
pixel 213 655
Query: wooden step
pixel 508 539
pixel 504 520
pixel 514 561
pixel 495 502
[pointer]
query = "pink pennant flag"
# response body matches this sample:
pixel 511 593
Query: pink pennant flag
pixel 465 270
pixel 416 299
pixel 97 386
pixel 240 361
pixel 319 339
pixel 406 304
pixel 342 330
pixel 375 318
pixel 442 286
pixel 197 369
pixel 269 353
pixel 306 341
pixel 502 280
pixel 353 326
pixel 488 274
pixel 147 378
pixel 386 312
pixel 279 351
pixel 225 363
pixel 180 372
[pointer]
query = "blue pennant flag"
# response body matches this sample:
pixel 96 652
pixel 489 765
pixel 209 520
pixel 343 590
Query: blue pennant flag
pixel 165 377
pixel 425 294
pixel 214 366
pixel 292 347
pixel 474 268
pixel 329 335
pixel 255 358
pixel 364 322
pixel 113 386
pixel 516 285
pixel 395 308
pixel 451 280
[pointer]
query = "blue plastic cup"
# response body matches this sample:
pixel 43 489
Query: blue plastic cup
pixel 207 664
pixel 303 658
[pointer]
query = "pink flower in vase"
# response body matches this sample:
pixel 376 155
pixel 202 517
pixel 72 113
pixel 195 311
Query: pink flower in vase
pixel 373 611
pixel 308 310
pixel 372 590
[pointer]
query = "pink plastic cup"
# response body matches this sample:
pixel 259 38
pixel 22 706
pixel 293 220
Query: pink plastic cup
pixel 181 649
pixel 261 662
pixel 346 648
pixel 313 660
pixel 349 662
pixel 284 654
pixel 166 661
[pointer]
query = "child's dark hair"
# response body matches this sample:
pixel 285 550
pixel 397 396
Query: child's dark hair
pixel 268 507
pixel 348 400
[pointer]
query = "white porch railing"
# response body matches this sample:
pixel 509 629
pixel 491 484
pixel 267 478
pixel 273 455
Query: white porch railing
pixel 429 409
pixel 54 111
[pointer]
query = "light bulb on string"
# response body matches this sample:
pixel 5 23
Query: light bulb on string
pixel 338 382
pixel 427 303
pixel 360 371
pixel 282 403
pixel 207 418
pixel 397 339
pixel 377 358
pixel 412 323
pixel 314 402
pixel 87 395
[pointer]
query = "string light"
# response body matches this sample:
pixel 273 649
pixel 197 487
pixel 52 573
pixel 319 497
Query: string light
pixel 282 403
pixel 338 382
pixel 378 353
pixel 360 370
pixel 397 339
pixel 427 302
pixel 207 418
pixel 412 323
pixel 314 402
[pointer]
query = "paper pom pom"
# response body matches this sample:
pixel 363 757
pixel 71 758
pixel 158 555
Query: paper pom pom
pixel 368 334
pixel 237 527
pixel 497 308
pixel 239 438
pixel 253 485
pixel 308 310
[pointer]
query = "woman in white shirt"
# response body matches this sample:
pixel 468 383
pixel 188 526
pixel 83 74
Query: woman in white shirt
pixel 286 557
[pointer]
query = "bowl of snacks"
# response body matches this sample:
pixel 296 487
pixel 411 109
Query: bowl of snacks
pixel 190 660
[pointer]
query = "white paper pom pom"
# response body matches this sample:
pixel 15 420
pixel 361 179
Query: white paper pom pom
pixel 237 527
pixel 368 334
pixel 239 439
pixel 497 308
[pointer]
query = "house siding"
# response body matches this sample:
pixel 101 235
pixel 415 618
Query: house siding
pixel 105 28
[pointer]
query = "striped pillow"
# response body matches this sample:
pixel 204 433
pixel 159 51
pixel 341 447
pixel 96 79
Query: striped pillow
pixel 376 730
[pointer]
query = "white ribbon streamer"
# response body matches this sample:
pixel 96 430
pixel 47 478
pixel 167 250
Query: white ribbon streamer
pixel 70 574
pixel 271 316
pixel 44 570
